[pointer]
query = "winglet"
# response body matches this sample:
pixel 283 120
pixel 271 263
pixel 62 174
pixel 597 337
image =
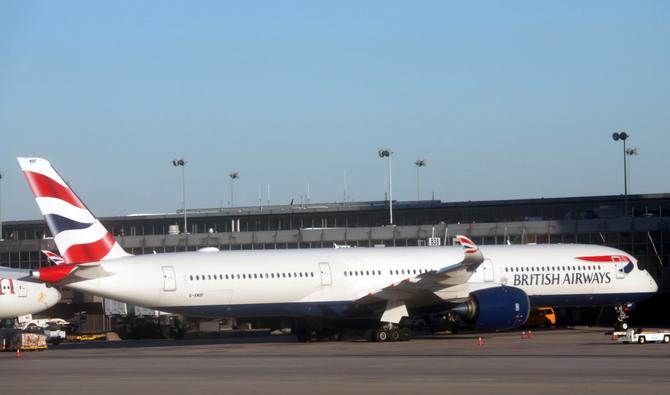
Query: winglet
pixel 473 255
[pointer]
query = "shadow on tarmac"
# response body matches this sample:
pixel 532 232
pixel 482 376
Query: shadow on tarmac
pixel 103 344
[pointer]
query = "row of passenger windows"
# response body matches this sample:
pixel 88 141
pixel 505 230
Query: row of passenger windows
pixel 352 273
pixel 552 268
pixel 248 276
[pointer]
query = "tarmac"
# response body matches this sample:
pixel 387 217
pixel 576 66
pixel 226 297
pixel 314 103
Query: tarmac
pixel 583 360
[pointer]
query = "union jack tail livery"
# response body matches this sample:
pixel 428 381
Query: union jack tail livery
pixel 53 257
pixel 469 246
pixel 79 236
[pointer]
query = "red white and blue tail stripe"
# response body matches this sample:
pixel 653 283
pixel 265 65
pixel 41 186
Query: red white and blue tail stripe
pixel 473 255
pixel 79 236
pixel 469 246
pixel 53 257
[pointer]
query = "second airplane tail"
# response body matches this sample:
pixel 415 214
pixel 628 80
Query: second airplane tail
pixel 79 236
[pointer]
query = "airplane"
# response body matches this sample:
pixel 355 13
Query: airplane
pixel 322 292
pixel 21 297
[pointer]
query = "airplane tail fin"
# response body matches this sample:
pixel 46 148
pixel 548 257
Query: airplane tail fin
pixel 79 236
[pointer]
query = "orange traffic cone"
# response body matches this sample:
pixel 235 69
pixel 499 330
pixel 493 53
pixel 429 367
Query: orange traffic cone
pixel 480 341
pixel 18 353
pixel 614 337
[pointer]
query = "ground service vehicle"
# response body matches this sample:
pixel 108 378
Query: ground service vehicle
pixel 641 336
pixel 542 317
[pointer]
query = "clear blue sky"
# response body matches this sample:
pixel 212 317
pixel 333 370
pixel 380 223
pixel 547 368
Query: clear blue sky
pixel 506 99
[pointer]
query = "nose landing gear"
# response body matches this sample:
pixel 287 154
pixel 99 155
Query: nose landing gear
pixel 623 311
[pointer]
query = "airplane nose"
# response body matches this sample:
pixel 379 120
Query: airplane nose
pixel 652 284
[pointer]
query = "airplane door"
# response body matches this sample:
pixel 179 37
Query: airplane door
pixel 23 291
pixel 326 278
pixel 487 268
pixel 169 279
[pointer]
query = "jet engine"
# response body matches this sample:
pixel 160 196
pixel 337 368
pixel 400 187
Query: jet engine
pixel 495 308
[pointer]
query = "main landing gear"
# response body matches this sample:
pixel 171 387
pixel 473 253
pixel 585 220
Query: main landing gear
pixel 307 333
pixel 315 331
pixel 390 333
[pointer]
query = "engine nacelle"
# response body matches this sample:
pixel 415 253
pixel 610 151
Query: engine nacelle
pixel 496 308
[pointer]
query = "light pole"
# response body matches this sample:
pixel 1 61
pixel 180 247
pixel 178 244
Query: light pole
pixel 182 163
pixel 233 176
pixel 1 207
pixel 386 153
pixel 419 164
pixel 630 152
pixel 623 136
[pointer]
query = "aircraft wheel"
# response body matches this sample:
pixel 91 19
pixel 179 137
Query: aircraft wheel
pixel 381 335
pixel 405 334
pixel 394 335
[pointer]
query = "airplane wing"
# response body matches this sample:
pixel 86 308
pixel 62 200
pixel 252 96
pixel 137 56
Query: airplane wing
pixel 14 274
pixel 425 285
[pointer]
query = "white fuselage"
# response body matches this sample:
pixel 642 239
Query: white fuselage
pixel 261 282
pixel 24 297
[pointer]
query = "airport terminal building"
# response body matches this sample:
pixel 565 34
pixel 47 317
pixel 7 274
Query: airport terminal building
pixel 642 230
